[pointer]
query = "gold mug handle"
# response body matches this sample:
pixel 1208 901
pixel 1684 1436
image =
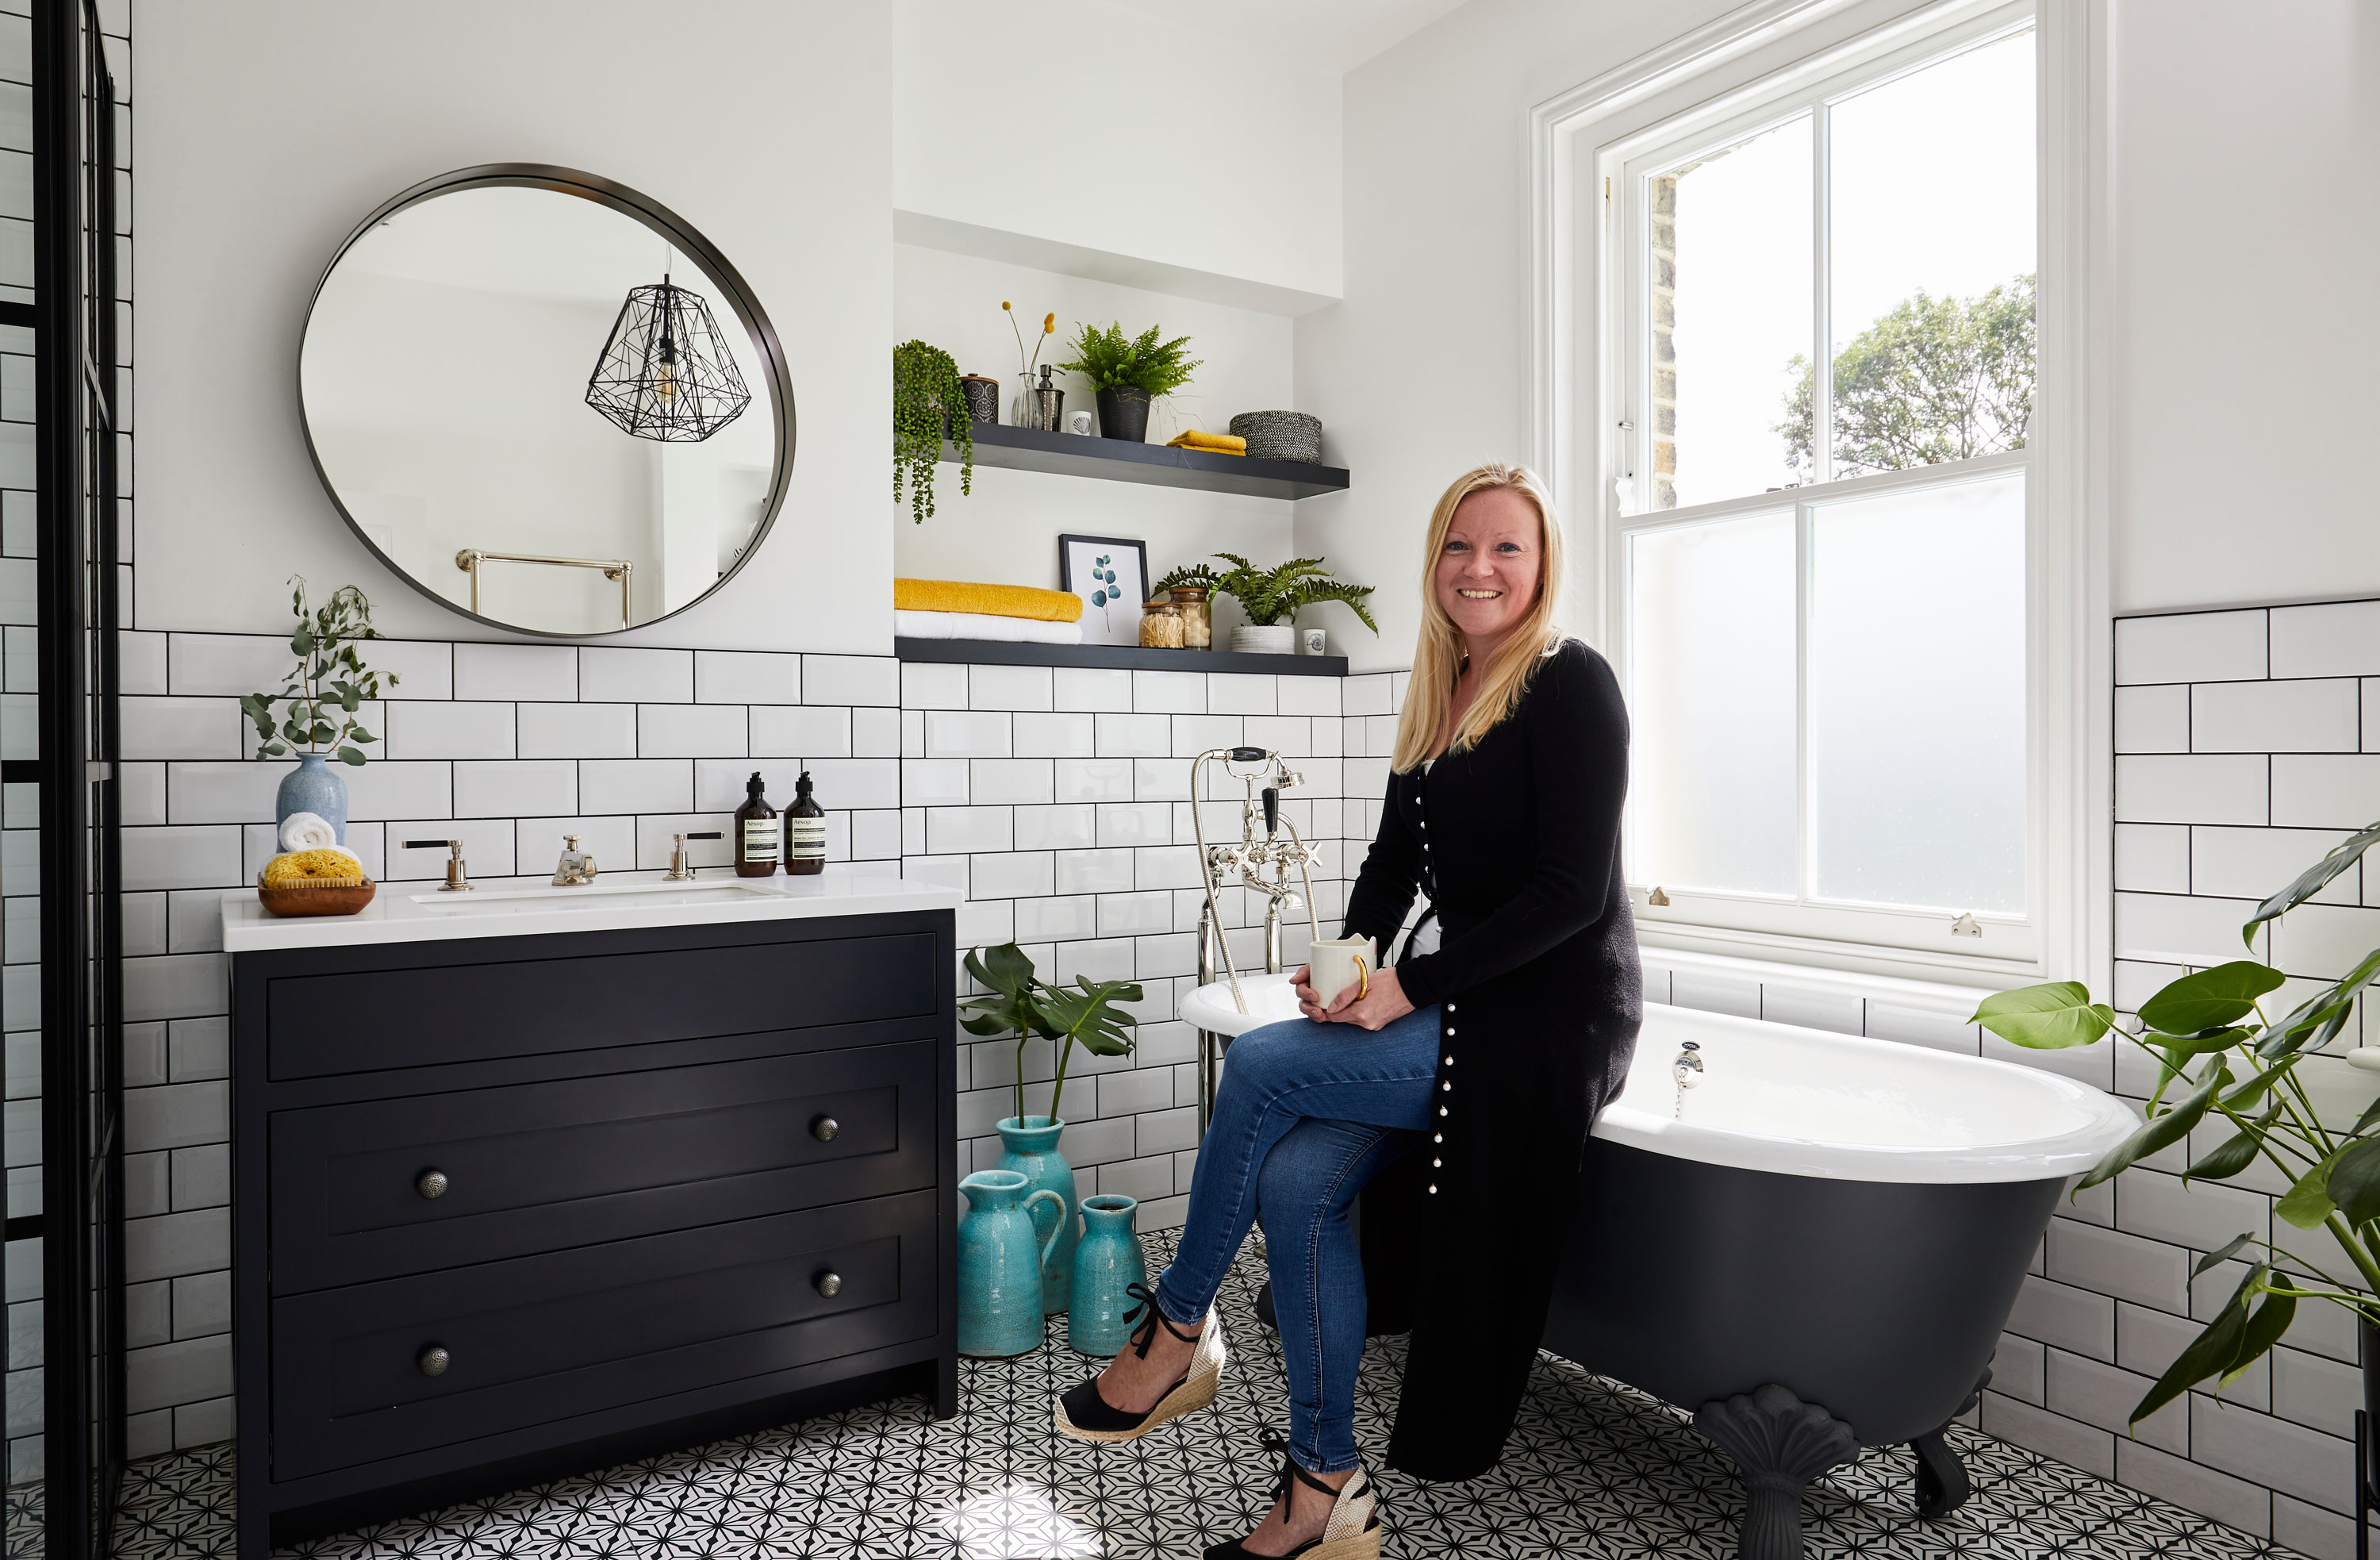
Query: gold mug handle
pixel 1362 978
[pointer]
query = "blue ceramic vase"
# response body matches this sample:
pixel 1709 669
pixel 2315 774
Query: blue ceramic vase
pixel 1030 1146
pixel 1108 1265
pixel 313 787
pixel 1001 1256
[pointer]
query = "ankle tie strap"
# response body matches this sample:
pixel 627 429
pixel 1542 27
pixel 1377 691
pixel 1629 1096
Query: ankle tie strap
pixel 1275 1446
pixel 1145 1313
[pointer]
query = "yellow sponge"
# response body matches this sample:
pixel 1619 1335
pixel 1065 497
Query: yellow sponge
pixel 321 869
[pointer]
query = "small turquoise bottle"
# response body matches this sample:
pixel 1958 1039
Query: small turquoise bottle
pixel 1029 1146
pixel 1108 1265
pixel 1001 1257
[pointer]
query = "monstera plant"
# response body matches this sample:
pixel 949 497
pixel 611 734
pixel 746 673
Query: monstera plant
pixel 2223 1060
pixel 1017 1002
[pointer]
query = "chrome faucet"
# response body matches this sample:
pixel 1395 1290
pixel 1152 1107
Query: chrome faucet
pixel 458 879
pixel 576 868
pixel 681 869
pixel 1687 1071
pixel 1262 865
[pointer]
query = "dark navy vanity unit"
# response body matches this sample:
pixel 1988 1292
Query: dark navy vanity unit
pixel 511 1206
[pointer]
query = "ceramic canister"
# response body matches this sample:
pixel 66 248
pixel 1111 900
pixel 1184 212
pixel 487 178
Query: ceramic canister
pixel 1001 1257
pixel 1107 1263
pixel 1030 1146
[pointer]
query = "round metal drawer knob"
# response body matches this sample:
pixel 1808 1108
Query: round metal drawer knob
pixel 434 1360
pixel 824 1129
pixel 829 1283
pixel 431 1183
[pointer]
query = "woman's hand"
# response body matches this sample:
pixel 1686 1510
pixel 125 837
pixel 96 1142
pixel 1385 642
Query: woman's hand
pixel 1383 1003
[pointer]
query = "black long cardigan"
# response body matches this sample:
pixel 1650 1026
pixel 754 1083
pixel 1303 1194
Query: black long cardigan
pixel 1516 842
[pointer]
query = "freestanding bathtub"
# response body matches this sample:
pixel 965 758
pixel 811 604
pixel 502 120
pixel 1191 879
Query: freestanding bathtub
pixel 1814 1251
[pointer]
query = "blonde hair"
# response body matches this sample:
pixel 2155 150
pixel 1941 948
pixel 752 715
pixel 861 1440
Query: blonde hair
pixel 1438 653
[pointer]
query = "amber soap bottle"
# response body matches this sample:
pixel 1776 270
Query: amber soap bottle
pixel 804 832
pixel 756 834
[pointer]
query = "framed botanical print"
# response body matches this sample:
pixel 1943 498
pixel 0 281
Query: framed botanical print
pixel 1111 573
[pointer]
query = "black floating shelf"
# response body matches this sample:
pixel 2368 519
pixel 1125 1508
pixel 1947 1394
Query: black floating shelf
pixel 1128 657
pixel 1075 454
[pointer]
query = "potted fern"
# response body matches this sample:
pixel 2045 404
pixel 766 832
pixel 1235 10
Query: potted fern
pixel 1271 596
pixel 1127 372
pixel 2223 1061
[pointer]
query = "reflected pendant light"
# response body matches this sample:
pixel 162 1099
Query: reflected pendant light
pixel 664 373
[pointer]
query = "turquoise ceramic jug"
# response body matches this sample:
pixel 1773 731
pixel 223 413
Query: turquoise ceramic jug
pixel 1001 1257
pixel 1108 1266
pixel 1030 1146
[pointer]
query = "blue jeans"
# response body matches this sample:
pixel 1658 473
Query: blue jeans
pixel 1306 1113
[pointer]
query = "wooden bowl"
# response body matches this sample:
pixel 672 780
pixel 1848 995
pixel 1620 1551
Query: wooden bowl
pixel 306 899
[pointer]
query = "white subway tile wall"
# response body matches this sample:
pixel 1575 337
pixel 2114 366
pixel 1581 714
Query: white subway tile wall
pixel 1057 800
pixel 2247 744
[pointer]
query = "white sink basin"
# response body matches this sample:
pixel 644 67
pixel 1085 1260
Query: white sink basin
pixel 500 901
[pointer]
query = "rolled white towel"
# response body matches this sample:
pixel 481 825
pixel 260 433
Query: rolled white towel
pixel 307 831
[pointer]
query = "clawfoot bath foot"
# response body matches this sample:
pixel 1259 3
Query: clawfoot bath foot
pixel 1781 1444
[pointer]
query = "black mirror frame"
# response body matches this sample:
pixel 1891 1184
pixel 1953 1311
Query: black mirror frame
pixel 652 214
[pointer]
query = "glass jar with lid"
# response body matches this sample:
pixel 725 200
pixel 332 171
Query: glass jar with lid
pixel 1197 617
pixel 1160 626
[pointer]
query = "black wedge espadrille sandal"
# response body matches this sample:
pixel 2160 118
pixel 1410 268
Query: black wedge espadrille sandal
pixel 1353 1531
pixel 1083 1414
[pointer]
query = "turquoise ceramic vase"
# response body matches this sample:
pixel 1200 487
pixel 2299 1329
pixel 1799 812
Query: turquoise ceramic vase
pixel 313 787
pixel 1001 1257
pixel 1108 1266
pixel 1030 1146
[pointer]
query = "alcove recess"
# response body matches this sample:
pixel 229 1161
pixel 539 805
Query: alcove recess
pixel 1030 486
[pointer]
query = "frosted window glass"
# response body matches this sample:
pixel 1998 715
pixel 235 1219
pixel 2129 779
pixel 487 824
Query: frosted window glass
pixel 1931 258
pixel 1711 703
pixel 1917 659
pixel 1730 315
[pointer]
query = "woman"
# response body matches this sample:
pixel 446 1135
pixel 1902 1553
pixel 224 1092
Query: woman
pixel 1475 1066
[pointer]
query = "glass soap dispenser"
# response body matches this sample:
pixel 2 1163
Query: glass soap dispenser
pixel 756 834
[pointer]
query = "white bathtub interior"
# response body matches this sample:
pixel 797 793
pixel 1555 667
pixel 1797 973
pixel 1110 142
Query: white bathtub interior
pixel 1795 1101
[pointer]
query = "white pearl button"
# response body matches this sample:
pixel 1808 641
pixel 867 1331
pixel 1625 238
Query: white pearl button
pixel 1445 1088
pixel 1449 1007
pixel 1441 1110
pixel 1438 1137
pixel 1433 1191
pixel 1438 1164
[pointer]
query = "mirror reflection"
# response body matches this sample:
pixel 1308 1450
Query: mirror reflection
pixel 539 411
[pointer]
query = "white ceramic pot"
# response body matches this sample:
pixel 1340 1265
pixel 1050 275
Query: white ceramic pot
pixel 1276 639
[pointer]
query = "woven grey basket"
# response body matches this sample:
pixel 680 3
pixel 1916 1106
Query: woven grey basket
pixel 1280 436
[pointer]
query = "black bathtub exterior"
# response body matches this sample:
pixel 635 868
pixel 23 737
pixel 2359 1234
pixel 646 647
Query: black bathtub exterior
pixel 1879 1301
pixel 1876 1302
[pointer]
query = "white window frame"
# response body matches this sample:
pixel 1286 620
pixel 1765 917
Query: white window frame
pixel 1760 65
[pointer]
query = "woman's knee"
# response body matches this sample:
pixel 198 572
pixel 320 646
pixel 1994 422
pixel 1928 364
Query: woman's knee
pixel 1265 1061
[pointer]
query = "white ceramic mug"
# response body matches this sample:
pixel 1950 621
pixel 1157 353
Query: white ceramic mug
pixel 1317 641
pixel 1335 965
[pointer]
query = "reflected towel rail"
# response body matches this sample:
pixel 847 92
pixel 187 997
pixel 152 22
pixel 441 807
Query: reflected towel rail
pixel 469 559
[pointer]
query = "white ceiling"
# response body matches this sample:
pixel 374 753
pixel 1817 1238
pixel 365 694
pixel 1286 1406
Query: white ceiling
pixel 1339 35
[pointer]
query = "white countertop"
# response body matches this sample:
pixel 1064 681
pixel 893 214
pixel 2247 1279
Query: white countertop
pixel 419 912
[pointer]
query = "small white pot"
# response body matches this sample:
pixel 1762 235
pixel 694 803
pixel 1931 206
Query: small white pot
pixel 1275 639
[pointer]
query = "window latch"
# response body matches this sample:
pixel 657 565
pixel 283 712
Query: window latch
pixel 1967 926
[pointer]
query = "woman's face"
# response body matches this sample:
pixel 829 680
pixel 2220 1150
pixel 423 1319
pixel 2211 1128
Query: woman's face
pixel 1490 567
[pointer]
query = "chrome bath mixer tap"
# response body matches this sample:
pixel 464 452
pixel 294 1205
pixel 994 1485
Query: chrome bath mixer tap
pixel 1262 865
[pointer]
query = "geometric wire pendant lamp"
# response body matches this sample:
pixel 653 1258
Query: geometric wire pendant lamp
pixel 665 373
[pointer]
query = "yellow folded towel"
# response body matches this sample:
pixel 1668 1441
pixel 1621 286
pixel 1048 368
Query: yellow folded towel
pixel 992 600
pixel 1213 444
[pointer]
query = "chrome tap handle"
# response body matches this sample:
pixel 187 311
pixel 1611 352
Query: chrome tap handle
pixel 1686 1072
pixel 458 879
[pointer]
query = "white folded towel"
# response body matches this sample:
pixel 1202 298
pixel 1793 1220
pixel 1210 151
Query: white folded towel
pixel 983 625
pixel 307 831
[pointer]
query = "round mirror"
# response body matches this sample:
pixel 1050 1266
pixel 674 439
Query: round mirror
pixel 545 400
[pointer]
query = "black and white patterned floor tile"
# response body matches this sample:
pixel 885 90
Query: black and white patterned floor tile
pixel 1593 1471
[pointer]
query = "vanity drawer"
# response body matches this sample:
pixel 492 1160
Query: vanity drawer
pixel 371 1019
pixel 547 1339
pixel 539 1167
